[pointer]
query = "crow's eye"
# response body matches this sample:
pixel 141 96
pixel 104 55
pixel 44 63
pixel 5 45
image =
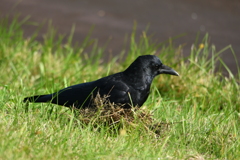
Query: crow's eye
pixel 156 66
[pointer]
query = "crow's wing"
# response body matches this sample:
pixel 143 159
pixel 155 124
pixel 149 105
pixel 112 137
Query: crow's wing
pixel 78 95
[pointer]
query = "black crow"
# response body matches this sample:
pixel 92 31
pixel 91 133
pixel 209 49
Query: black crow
pixel 128 88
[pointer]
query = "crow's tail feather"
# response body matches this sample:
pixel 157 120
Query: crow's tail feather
pixel 34 98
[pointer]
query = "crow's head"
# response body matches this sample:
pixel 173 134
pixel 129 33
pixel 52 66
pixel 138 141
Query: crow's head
pixel 153 66
pixel 146 67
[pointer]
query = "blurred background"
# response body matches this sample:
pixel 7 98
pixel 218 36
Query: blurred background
pixel 113 20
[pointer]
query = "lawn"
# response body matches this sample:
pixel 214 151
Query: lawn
pixel 201 107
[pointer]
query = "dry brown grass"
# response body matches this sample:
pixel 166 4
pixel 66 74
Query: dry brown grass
pixel 124 119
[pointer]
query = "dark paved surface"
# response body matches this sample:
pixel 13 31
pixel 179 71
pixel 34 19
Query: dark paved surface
pixel 113 19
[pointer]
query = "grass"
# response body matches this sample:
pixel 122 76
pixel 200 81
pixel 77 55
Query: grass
pixel 201 105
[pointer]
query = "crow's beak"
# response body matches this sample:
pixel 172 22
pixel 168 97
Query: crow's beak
pixel 167 70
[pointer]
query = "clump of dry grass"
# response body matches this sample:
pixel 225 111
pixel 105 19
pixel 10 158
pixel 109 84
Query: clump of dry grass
pixel 115 116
